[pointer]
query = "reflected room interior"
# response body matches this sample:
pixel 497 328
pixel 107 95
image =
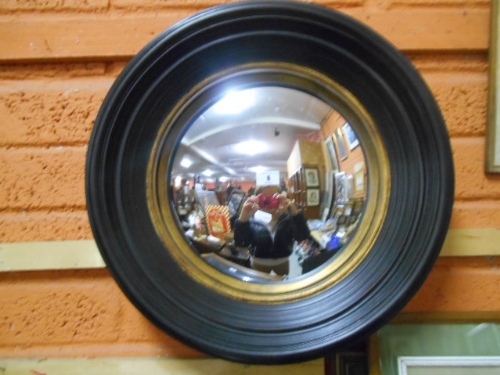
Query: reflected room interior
pixel 277 136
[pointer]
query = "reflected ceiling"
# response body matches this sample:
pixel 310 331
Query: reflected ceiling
pixel 271 117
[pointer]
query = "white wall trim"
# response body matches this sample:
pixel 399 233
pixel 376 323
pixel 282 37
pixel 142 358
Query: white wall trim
pixel 151 366
pixel 53 255
pixel 58 255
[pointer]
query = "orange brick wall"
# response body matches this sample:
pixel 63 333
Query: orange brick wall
pixel 57 61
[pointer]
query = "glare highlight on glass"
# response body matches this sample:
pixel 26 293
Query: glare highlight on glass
pixel 235 102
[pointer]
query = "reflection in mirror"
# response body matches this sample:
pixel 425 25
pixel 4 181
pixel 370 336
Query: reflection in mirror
pixel 269 183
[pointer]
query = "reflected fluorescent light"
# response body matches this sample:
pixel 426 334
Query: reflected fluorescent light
pixel 207 172
pixel 223 179
pixel 186 163
pixel 235 102
pixel 258 169
pixel 250 147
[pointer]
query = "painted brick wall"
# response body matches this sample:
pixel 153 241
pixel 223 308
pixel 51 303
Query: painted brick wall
pixel 57 61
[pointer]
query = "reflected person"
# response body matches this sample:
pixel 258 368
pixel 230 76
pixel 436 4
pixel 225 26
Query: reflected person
pixel 271 236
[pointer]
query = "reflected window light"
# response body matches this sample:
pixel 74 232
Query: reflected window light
pixel 250 147
pixel 235 102
pixel 186 163
pixel 178 181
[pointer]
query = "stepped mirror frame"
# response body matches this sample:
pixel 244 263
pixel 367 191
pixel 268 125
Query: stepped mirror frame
pixel 255 44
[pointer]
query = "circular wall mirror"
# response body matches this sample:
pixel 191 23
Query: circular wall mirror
pixel 268 181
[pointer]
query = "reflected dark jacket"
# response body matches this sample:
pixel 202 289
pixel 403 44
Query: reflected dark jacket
pixel 255 234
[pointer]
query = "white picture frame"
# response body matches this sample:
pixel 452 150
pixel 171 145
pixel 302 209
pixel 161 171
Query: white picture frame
pixel 493 128
pixel 449 365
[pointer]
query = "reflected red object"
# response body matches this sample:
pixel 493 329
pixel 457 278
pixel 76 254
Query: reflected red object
pixel 269 202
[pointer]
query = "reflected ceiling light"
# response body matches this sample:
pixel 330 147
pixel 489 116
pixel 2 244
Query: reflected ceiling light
pixel 257 169
pixel 207 172
pixel 250 147
pixel 223 179
pixel 235 102
pixel 186 163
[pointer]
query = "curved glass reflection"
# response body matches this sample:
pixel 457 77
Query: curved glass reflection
pixel 269 183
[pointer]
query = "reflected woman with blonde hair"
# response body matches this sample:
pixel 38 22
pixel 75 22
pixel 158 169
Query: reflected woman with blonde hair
pixel 271 234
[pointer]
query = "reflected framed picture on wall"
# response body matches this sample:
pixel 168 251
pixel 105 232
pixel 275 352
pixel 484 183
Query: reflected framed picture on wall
pixel 340 185
pixel 352 139
pixel 328 201
pixel 339 141
pixel 312 197
pixel 332 154
pixel 359 178
pixel 312 178
pixel 349 186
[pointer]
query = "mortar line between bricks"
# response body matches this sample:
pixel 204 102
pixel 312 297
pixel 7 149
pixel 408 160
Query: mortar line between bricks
pixel 30 146
pixel 64 210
